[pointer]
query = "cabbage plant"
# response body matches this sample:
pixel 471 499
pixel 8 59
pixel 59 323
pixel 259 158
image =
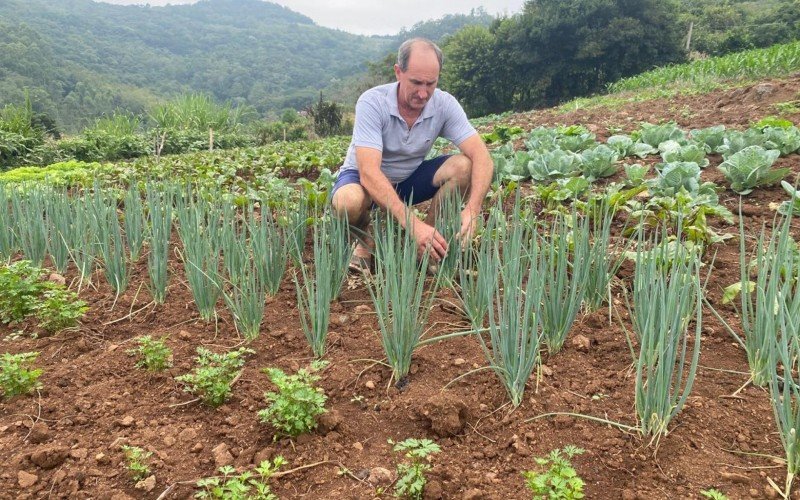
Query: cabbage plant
pixel 555 164
pixel 689 152
pixel 621 143
pixel 750 168
pixel 598 162
pixel 784 139
pixel 712 138
pixel 654 135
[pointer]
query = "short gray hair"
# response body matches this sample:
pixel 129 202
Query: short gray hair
pixel 404 52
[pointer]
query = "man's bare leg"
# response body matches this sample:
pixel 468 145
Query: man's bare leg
pixel 455 173
pixel 353 201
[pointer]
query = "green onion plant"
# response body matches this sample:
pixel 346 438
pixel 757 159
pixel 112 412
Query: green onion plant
pixel 665 299
pixel 398 292
pixel 159 199
pixel 269 247
pixel 134 220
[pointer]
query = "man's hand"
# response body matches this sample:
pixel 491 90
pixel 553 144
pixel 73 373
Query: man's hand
pixel 468 224
pixel 429 240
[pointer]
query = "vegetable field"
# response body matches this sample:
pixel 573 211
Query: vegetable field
pixel 183 326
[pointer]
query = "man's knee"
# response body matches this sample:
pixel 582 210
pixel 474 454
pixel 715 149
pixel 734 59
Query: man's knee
pixel 457 170
pixel 353 202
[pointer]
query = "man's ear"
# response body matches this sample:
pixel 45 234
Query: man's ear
pixel 397 71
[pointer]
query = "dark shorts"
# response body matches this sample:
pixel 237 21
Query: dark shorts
pixel 416 189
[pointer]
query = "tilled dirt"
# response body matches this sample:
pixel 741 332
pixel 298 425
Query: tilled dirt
pixel 64 441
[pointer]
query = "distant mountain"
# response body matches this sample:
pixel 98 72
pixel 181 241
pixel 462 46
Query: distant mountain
pixel 80 59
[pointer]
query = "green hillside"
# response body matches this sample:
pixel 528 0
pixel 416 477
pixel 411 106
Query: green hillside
pixel 80 59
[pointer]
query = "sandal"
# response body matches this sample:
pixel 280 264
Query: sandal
pixel 360 265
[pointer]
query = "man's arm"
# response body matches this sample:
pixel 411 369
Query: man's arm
pixel 384 195
pixel 480 181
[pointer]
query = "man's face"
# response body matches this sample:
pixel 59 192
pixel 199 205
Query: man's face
pixel 419 81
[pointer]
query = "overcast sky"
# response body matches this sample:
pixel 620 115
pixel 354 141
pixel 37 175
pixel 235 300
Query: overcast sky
pixel 373 17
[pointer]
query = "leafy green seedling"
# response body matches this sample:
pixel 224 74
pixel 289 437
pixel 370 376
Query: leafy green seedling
pixel 16 375
pixel 239 487
pixel 714 494
pixel 20 287
pixel 411 475
pixel 214 375
pixel 294 408
pixel 153 353
pixel 59 309
pixel 136 461
pixel 559 479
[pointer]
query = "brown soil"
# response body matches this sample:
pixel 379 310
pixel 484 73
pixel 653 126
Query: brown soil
pixel 68 435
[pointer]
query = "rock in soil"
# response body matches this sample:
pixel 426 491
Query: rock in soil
pixel 50 457
pixel 446 414
pixel 25 479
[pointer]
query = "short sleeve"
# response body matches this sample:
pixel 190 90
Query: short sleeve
pixel 368 129
pixel 456 127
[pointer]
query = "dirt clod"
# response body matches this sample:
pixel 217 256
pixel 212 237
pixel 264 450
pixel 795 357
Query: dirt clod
pixel 40 433
pixel 49 457
pixel 222 455
pixel 328 421
pixel 146 484
pixel 446 414
pixel 433 491
pixel 581 342
pixel 379 476
pixel 26 479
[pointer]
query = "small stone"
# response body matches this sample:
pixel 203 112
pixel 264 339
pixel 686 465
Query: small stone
pixel 127 421
pixel 187 435
pixel 358 446
pixel 184 335
pixel 25 479
pixel 378 476
pixel 197 448
pixel 57 279
pixel 40 433
pixel 79 453
pixel 222 455
pixel 459 361
pixel 547 371
pixel 50 457
pixel 101 458
pixel 277 333
pixel 328 421
pixel 342 319
pixel 369 384
pixel 146 484
pixel 581 342
pixel 169 440
pixel 754 493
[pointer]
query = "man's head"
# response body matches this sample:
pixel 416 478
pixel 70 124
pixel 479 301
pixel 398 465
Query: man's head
pixel 419 61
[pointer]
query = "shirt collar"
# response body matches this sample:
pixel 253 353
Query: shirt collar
pixel 394 109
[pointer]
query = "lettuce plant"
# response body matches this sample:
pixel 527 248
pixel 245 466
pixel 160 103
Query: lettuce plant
pixel 750 168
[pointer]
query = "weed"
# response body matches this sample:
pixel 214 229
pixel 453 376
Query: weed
pixel 59 309
pixel 233 487
pixel 16 376
pixel 154 353
pixel 136 461
pixel 411 475
pixel 560 480
pixel 714 494
pixel 213 378
pixel 294 408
